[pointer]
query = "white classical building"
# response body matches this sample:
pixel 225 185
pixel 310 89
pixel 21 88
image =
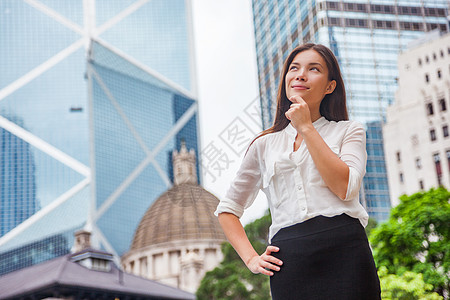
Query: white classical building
pixel 179 239
pixel 416 132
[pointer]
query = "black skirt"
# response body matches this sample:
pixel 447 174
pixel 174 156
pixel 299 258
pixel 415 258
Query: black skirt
pixel 325 258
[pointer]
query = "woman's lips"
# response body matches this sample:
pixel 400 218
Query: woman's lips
pixel 299 87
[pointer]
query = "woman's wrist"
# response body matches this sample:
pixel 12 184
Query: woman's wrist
pixel 249 259
pixel 305 129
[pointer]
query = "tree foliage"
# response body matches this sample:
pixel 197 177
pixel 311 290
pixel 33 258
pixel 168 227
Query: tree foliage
pixel 416 238
pixel 408 286
pixel 231 279
pixel 371 225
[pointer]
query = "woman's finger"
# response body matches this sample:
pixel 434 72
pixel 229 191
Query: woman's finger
pixel 265 272
pixel 271 249
pixel 288 115
pixel 270 266
pixel 273 259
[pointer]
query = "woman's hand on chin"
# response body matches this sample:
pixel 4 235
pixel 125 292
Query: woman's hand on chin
pixel 299 114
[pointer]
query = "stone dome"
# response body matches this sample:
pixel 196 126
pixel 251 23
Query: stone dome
pixel 179 239
pixel 184 212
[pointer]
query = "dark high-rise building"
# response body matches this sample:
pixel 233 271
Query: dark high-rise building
pixel 366 37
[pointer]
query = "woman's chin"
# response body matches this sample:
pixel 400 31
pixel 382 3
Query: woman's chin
pixel 302 95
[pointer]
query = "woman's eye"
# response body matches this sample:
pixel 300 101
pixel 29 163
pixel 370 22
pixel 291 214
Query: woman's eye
pixel 292 68
pixel 314 68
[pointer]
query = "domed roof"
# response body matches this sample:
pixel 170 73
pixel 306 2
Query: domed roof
pixel 184 212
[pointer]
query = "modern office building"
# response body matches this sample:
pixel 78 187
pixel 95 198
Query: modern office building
pixel 17 182
pixel 366 36
pixel 105 91
pixel 416 132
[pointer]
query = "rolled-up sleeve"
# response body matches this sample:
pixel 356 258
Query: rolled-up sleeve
pixel 353 153
pixel 245 186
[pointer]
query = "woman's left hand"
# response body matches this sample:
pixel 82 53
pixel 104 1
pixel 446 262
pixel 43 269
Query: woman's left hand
pixel 299 114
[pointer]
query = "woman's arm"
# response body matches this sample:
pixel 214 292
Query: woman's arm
pixel 238 239
pixel 334 172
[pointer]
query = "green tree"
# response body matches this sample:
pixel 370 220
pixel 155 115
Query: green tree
pixel 408 286
pixel 231 279
pixel 416 238
pixel 371 225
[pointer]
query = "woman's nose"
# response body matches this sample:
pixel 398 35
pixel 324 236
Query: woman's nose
pixel 300 75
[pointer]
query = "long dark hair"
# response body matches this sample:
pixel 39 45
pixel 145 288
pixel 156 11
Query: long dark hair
pixel 333 106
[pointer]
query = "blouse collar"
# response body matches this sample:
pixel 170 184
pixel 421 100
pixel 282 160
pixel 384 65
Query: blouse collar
pixel 317 123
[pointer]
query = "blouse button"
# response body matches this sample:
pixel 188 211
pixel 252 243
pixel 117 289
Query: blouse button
pixel 299 187
pixel 303 208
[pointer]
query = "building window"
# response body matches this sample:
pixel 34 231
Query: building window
pixel 442 105
pixel 430 111
pixel 440 12
pixel 437 164
pixel 333 21
pixel 434 56
pixel 401 177
pixel 427 78
pixel 332 5
pixel 399 159
pixel 442 53
pixel 420 62
pixel 407 26
pixel 430 11
pixel 361 7
pixel 433 135
pixel 376 8
pixel 447 153
pixel 427 59
pixel 439 73
pixel 445 131
pixel 418 163
pixel 421 186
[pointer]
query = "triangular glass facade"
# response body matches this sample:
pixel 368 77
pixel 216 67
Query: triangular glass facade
pixel 94 97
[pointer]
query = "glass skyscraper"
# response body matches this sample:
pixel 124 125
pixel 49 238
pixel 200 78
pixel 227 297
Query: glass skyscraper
pixel 366 37
pixel 94 97
pixel 17 182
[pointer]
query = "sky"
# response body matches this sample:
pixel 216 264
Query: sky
pixel 227 85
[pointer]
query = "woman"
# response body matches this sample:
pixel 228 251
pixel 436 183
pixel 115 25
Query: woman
pixel 310 164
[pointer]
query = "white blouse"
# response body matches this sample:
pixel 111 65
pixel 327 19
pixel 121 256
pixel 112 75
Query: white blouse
pixel 294 188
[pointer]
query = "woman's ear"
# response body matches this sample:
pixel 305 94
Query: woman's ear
pixel 331 87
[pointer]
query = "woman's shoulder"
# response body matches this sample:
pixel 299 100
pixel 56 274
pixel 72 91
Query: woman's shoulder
pixel 347 124
pixel 262 141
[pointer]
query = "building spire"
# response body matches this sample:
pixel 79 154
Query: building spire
pixel 82 240
pixel 184 169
